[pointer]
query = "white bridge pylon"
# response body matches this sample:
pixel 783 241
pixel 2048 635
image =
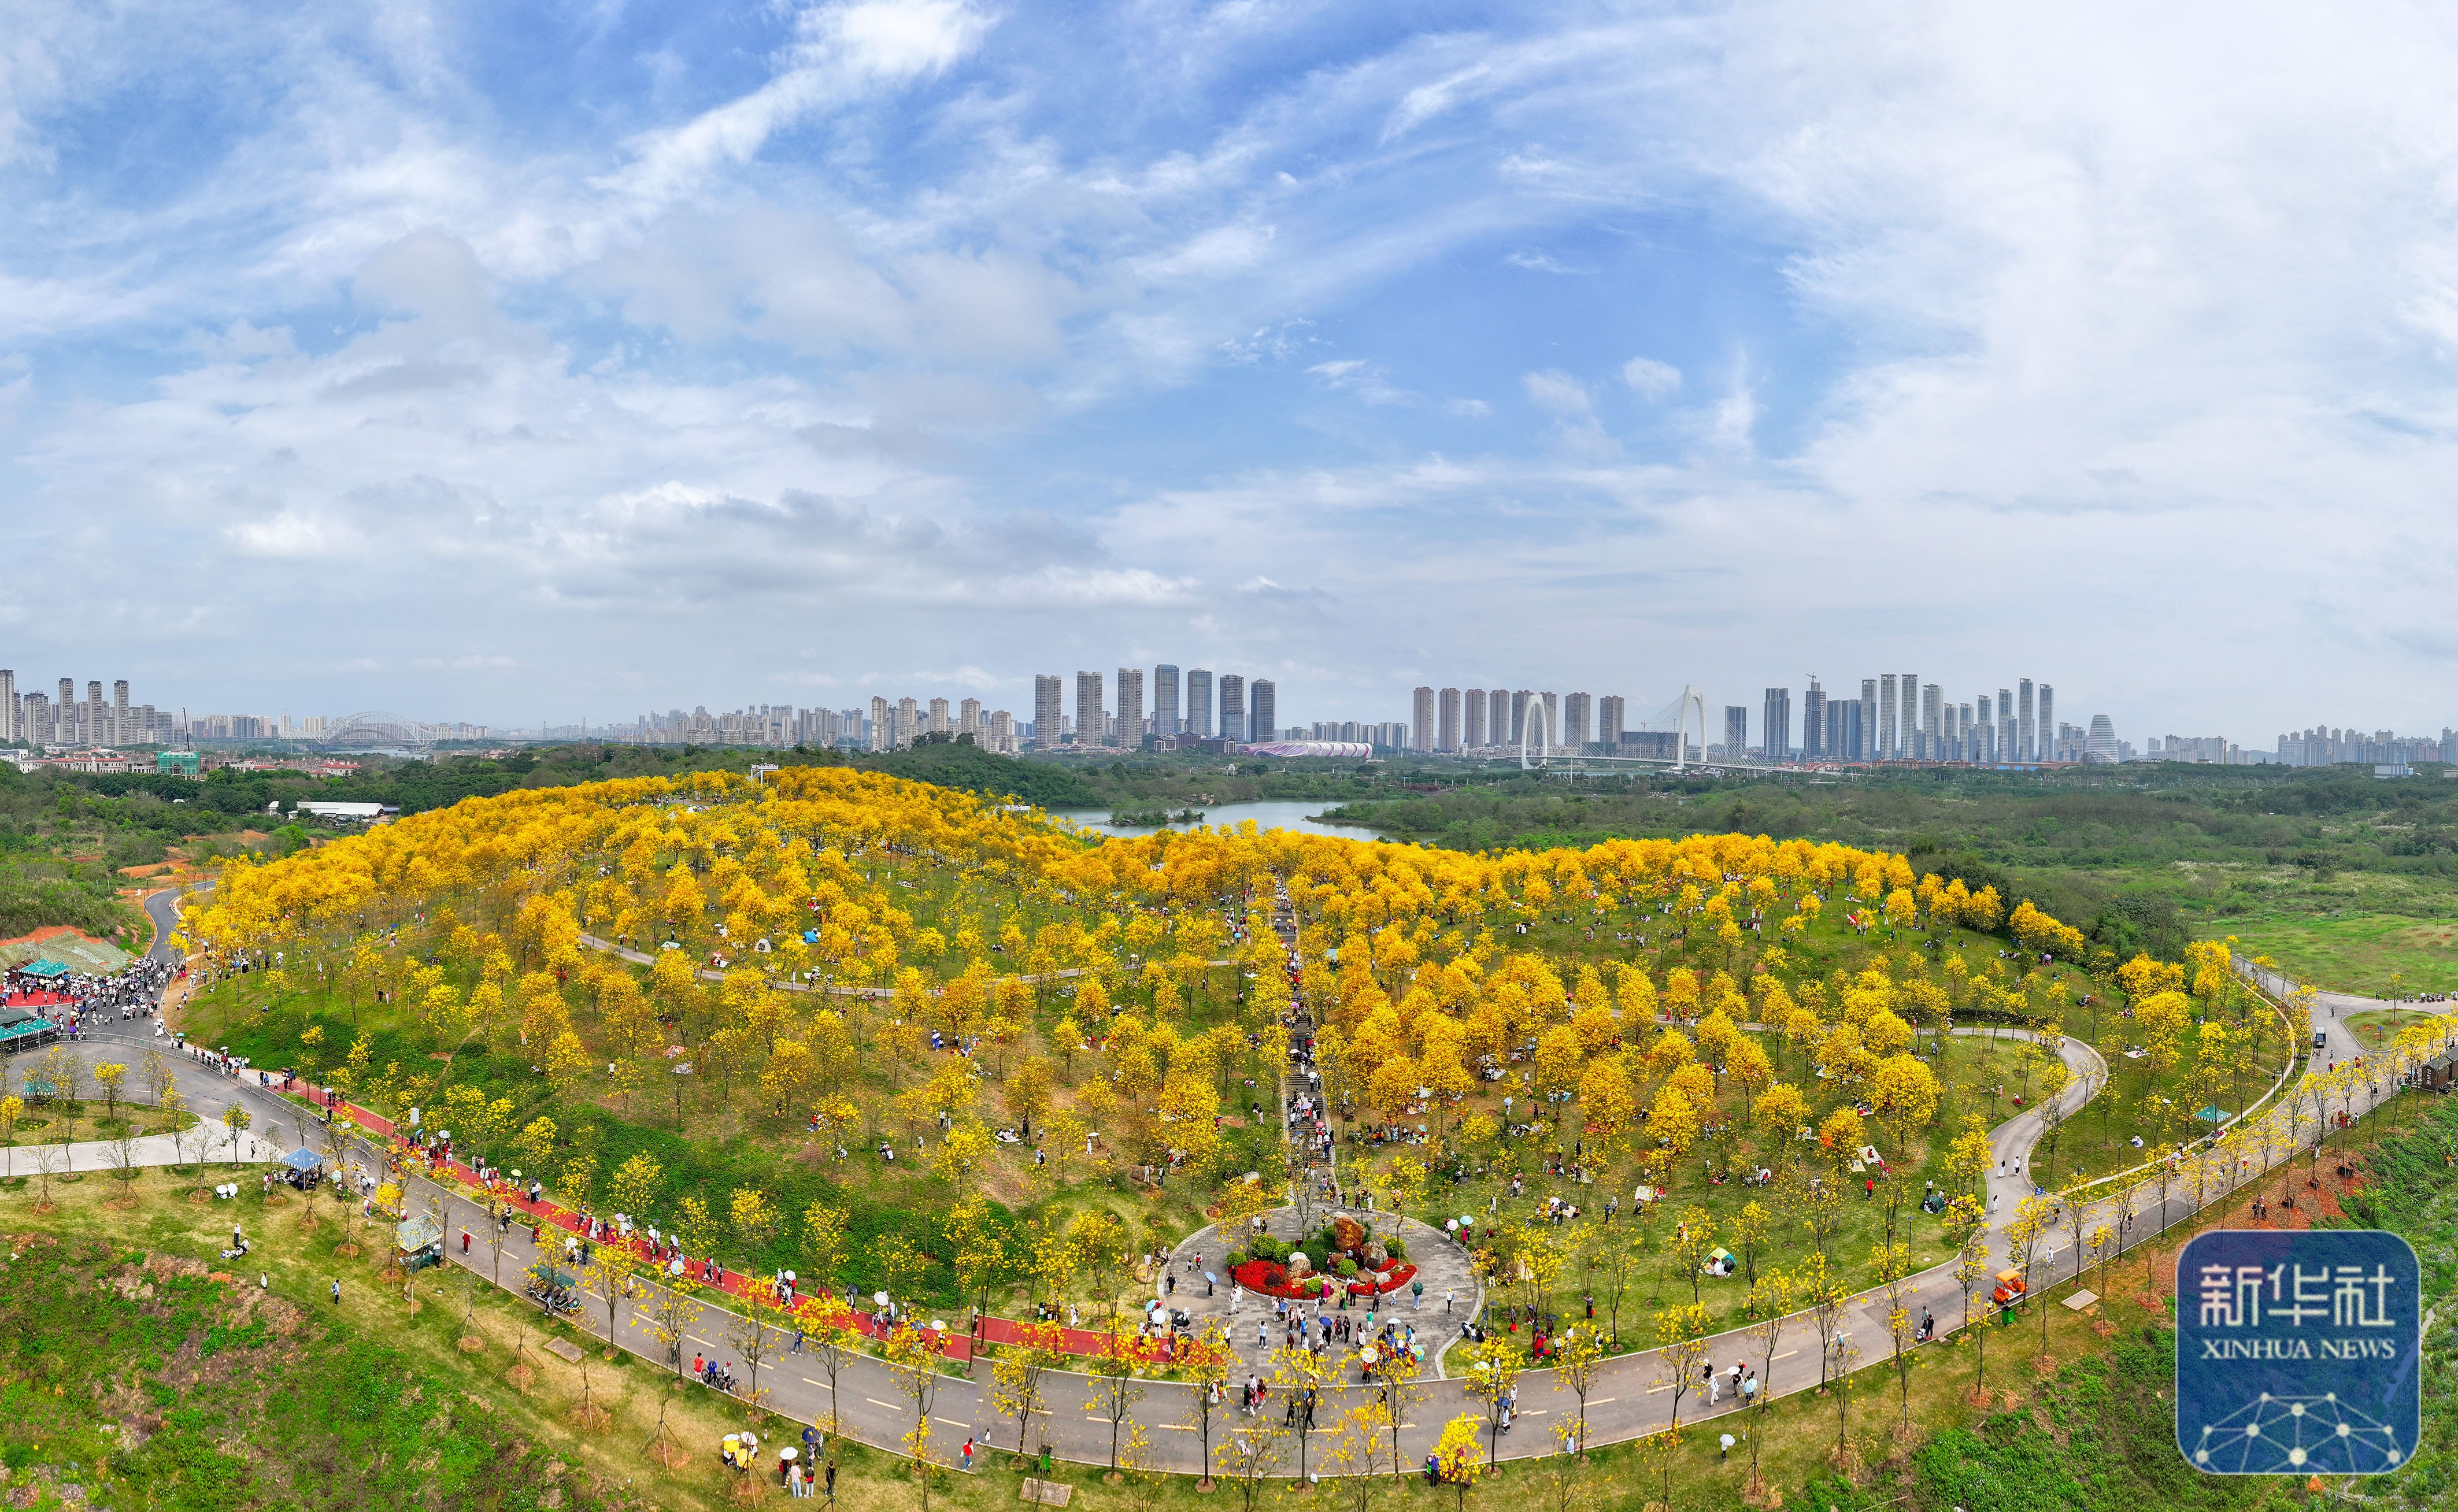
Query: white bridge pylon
pixel 1532 752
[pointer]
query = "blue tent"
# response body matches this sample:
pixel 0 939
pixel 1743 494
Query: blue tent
pixel 46 968
pixel 301 1159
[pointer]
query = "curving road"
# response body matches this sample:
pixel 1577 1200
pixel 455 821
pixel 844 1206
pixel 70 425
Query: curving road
pixel 1627 1400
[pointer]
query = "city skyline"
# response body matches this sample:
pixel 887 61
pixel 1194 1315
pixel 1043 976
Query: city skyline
pixel 1896 717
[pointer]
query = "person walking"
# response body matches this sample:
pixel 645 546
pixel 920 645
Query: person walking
pixel 337 1292
pixel 969 1454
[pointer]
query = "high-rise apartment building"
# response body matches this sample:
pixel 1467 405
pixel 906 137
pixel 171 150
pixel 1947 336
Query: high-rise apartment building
pixel 1887 739
pixel 1263 709
pixel 1551 735
pixel 11 726
pixel 1932 723
pixel 1775 724
pixel 939 723
pixel 1233 707
pixel 2048 710
pixel 1472 710
pixel 1164 700
pixel 2006 731
pixel 1048 696
pixel 1866 750
pixel 1574 734
pixel 1985 734
pixel 1908 725
pixel 1609 721
pixel 968 719
pixel 122 730
pixel 1498 716
pixel 1813 722
pixel 1091 712
pixel 2025 746
pixel 1003 729
pixel 1519 714
pixel 1447 734
pixel 1130 708
pixel 1198 704
pixel 1421 715
pixel 1846 738
pixel 883 724
pixel 1737 730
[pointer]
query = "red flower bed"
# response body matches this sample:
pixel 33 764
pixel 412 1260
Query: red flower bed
pixel 1271 1278
pixel 1391 1280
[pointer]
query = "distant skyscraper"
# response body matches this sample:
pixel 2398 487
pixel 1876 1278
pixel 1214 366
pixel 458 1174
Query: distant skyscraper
pixel 2005 731
pixel 1813 722
pixel 1198 704
pixel 122 728
pixel 1932 724
pixel 968 719
pixel 1846 738
pixel 883 724
pixel 2101 741
pixel 1263 710
pixel 1737 730
pixel 939 723
pixel 1421 716
pixel 1519 713
pixel 1864 750
pixel 1609 720
pixel 1130 708
pixel 2047 707
pixel 1091 712
pixel 1775 724
pixel 1907 685
pixel 1048 696
pixel 1984 737
pixel 1472 720
pixel 2025 749
pixel 1574 734
pixel 1165 700
pixel 1233 706
pixel 1886 742
pixel 1552 735
pixel 1447 735
pixel 1498 716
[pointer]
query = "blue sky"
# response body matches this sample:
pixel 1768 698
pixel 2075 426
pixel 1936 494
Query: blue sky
pixel 501 363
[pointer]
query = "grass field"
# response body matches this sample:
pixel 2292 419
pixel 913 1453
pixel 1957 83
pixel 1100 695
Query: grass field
pixel 2375 1029
pixel 2375 954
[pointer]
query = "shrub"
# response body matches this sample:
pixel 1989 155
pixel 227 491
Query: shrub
pixel 1347 1268
pixel 1396 1246
pixel 1234 1260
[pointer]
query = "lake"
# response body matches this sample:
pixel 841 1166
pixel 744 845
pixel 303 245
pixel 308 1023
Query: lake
pixel 1267 815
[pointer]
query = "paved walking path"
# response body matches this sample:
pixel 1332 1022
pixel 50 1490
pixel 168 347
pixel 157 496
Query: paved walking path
pixel 1627 1401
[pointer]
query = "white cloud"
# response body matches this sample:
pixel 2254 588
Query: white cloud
pixel 1556 392
pixel 1651 380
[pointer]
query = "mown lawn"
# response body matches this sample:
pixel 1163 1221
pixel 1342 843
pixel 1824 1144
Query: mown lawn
pixel 2375 954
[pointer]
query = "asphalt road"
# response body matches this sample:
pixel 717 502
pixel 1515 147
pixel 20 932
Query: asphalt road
pixel 1627 1400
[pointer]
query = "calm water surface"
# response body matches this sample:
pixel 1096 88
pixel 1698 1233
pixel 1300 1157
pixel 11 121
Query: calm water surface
pixel 1279 815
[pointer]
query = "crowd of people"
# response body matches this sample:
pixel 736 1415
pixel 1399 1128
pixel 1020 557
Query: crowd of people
pixel 75 1002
